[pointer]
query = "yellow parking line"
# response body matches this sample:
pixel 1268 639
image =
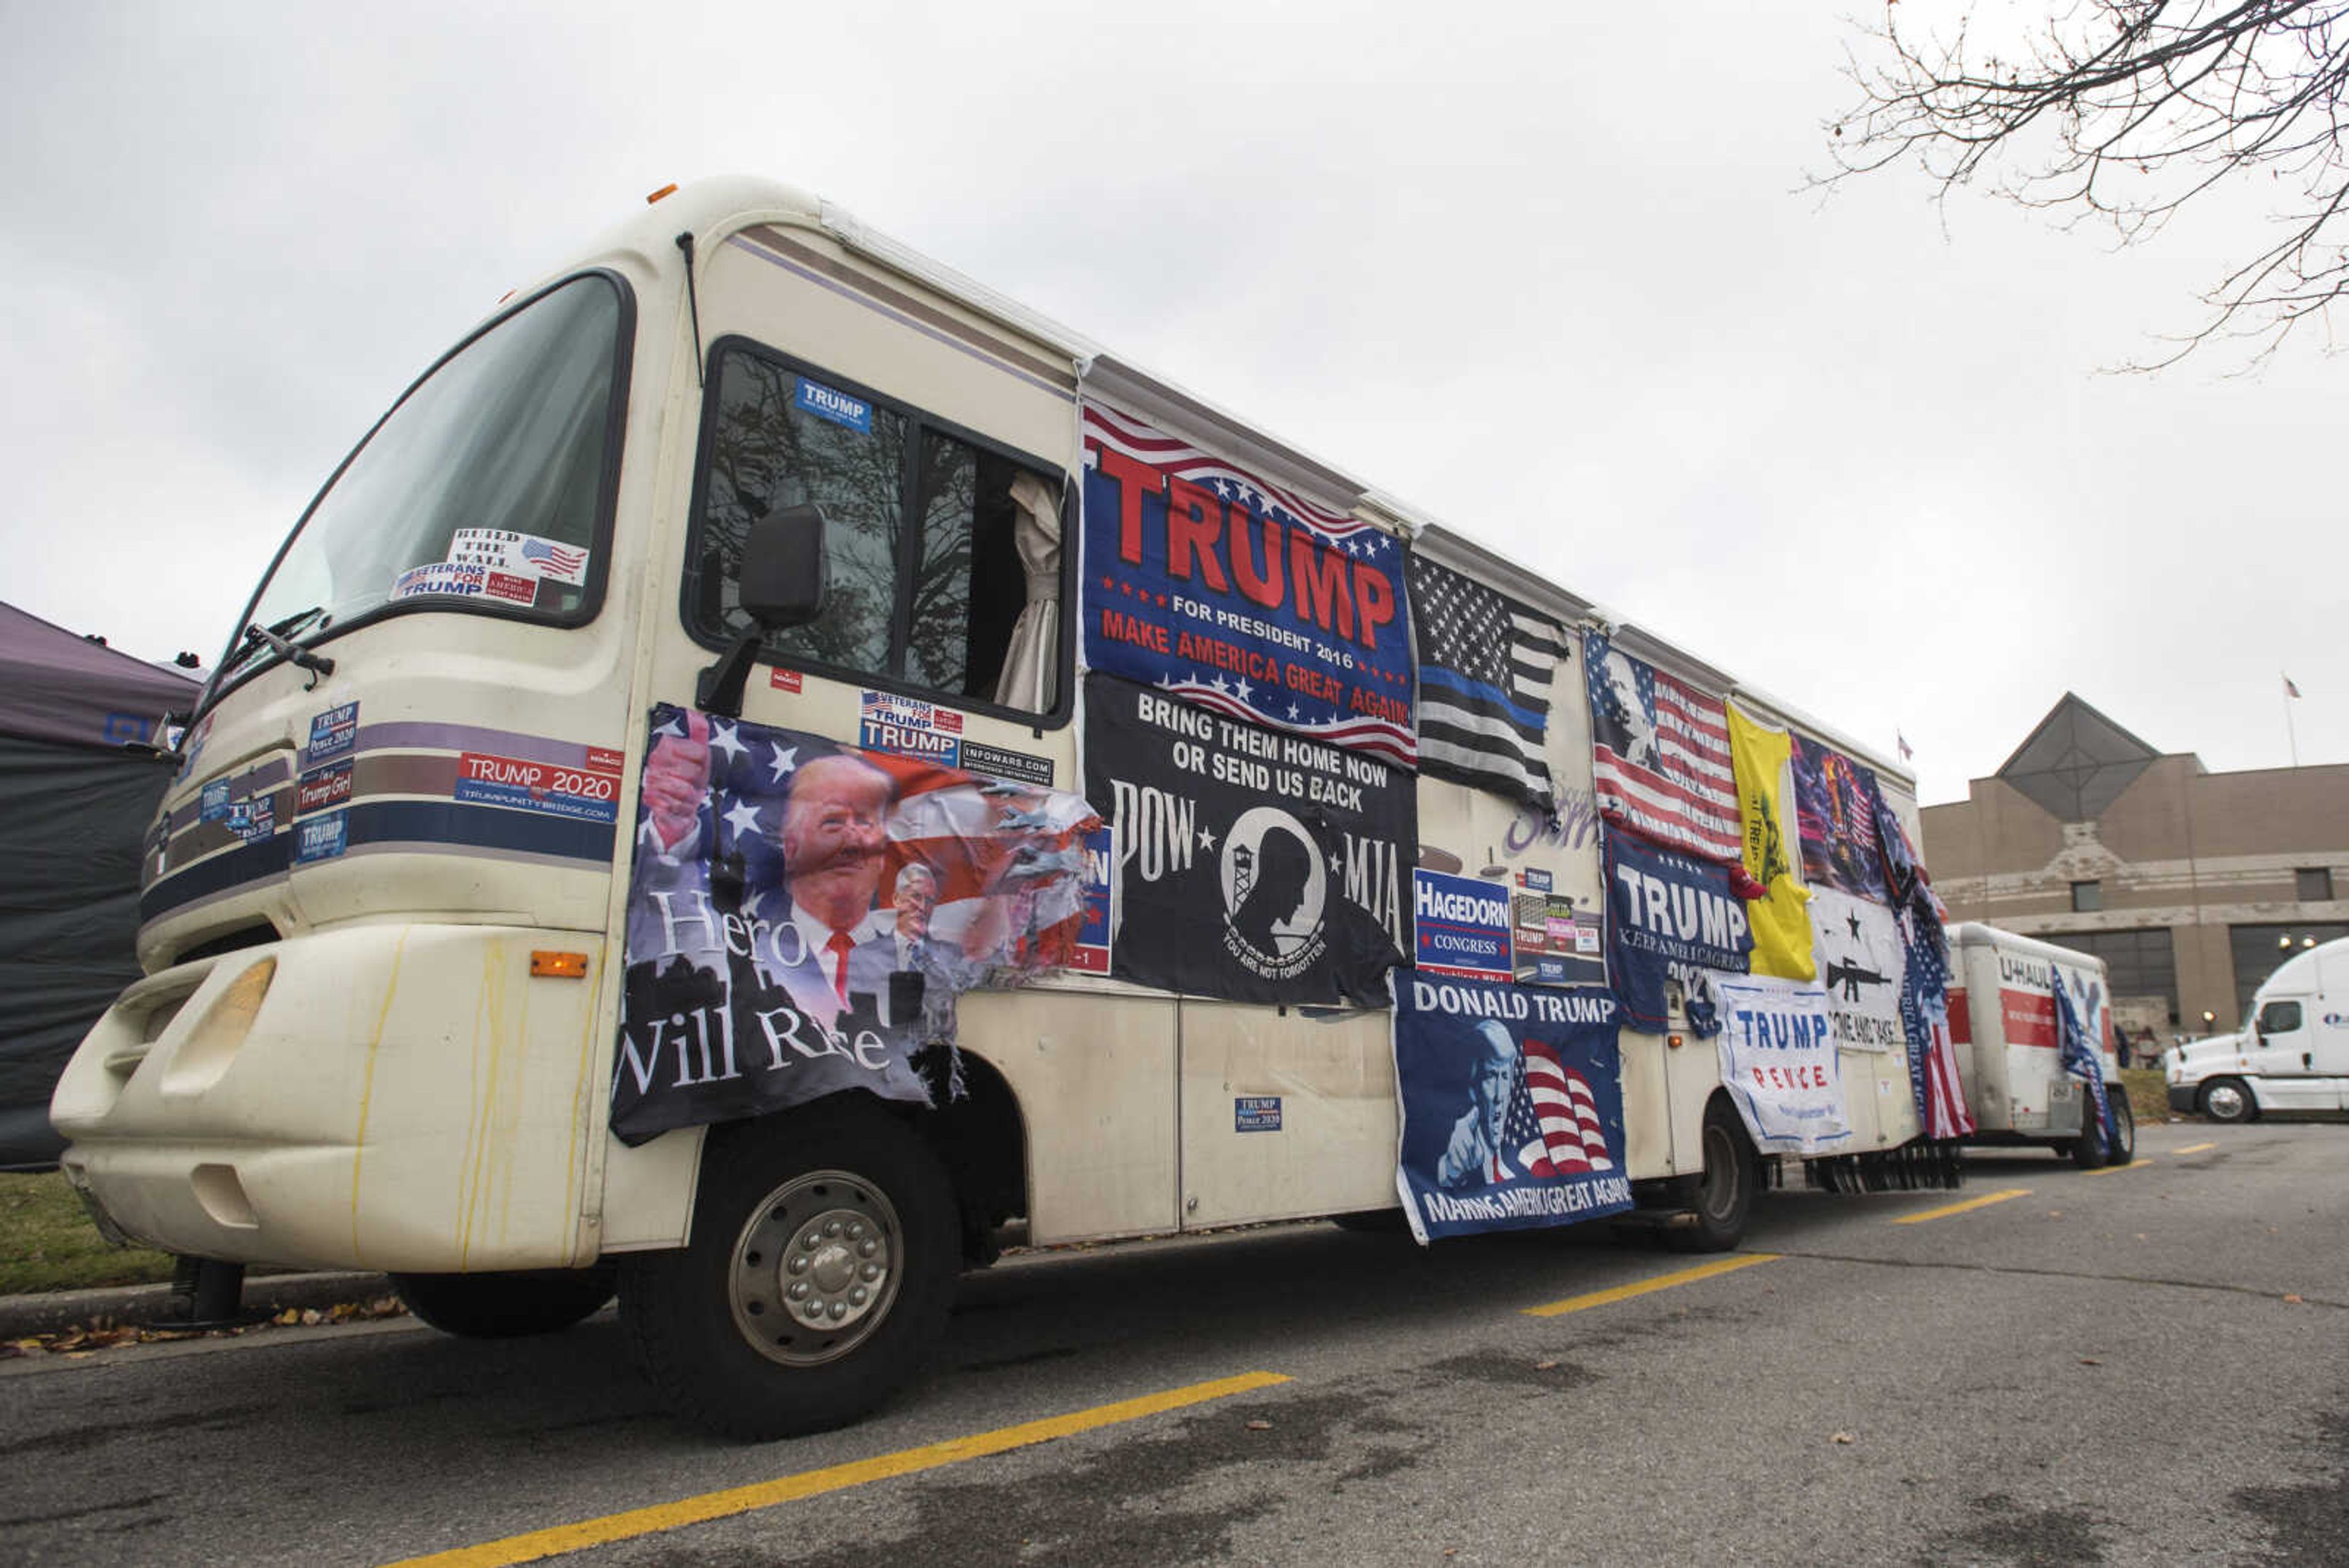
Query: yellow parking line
pixel 1641 1287
pixel 637 1522
pixel 2108 1169
pixel 1985 1202
pixel 2194 1148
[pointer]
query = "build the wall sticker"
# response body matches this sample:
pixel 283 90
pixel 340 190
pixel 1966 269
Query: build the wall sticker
pixel 1253 865
pixel 1245 599
pixel 1512 1105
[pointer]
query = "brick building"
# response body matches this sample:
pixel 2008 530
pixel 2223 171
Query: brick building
pixel 2191 884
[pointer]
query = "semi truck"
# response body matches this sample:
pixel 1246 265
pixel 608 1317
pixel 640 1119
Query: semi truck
pixel 2294 1055
pixel 745 462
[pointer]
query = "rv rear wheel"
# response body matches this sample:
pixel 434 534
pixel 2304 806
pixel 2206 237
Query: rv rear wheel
pixel 2226 1100
pixel 1725 1193
pixel 505 1306
pixel 818 1276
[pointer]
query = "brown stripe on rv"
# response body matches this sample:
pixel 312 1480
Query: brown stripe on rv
pixel 773 239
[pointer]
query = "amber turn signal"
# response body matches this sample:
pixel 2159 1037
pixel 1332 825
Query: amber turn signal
pixel 559 966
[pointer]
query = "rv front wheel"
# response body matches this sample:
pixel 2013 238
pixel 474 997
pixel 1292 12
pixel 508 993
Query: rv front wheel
pixel 2226 1100
pixel 1725 1193
pixel 818 1274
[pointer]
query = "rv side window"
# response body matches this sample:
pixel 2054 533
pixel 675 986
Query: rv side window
pixel 935 542
pixel 2279 1018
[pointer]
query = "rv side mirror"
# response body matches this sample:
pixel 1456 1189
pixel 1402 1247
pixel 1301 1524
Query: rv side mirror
pixel 783 573
pixel 781 585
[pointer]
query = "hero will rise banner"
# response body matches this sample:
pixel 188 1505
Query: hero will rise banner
pixel 1252 866
pixel 1240 597
pixel 803 915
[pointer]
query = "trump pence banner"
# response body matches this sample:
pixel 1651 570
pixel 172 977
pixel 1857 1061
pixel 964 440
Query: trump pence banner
pixel 1778 1062
pixel 1512 1104
pixel 1252 601
pixel 1251 865
pixel 802 916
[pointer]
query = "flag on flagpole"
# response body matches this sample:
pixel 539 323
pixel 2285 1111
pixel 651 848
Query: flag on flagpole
pixel 2289 688
pixel 1905 753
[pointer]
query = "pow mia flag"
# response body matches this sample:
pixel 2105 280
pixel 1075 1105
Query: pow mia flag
pixel 1253 865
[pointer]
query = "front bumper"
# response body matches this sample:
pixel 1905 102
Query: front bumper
pixel 391 1096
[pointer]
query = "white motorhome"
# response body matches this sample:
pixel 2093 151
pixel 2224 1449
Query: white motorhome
pixel 2293 1055
pixel 2003 1021
pixel 384 905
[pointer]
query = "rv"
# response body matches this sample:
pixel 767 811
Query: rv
pixel 2293 1055
pixel 2005 1019
pixel 748 469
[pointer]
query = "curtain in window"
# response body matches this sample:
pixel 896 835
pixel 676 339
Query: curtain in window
pixel 1034 652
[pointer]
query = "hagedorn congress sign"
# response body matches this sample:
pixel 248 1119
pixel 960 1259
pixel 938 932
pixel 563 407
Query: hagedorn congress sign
pixel 1242 598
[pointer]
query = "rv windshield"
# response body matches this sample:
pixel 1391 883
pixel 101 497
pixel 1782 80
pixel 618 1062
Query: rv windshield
pixel 485 488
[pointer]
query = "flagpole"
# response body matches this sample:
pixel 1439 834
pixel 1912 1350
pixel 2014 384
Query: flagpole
pixel 2289 734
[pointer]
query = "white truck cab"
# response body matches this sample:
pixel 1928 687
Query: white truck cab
pixel 2294 1055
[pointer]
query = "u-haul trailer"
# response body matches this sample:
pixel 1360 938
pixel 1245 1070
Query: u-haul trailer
pixel 2003 1021
pixel 385 904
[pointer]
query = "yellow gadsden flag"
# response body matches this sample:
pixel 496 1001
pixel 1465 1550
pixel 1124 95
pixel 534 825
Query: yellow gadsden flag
pixel 1761 755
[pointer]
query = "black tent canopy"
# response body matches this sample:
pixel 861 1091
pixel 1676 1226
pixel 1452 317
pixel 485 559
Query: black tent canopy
pixel 78 784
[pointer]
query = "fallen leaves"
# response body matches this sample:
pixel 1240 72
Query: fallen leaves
pixel 1843 1438
pixel 106 1333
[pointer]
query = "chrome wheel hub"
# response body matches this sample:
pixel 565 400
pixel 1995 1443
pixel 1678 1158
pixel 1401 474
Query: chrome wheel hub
pixel 816 1269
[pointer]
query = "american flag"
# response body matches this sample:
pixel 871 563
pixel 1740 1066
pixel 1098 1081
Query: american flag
pixel 1485 667
pixel 555 560
pixel 2076 1047
pixel 1553 1122
pixel 1660 754
pixel 1944 1097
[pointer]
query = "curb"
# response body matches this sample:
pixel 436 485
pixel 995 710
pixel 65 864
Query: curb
pixel 21 1316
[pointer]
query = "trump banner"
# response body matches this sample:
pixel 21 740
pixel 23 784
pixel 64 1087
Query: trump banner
pixel 803 914
pixel 1778 1062
pixel 1203 581
pixel 1512 1103
pixel 1669 918
pixel 1251 865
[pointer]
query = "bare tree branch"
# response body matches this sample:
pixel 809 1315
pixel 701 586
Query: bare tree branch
pixel 2122 112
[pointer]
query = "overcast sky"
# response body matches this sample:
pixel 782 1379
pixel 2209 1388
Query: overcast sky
pixel 1547 275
